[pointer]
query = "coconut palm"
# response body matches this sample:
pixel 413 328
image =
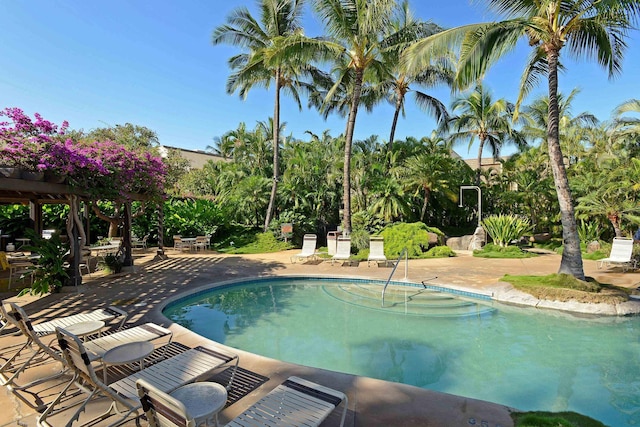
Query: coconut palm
pixel 626 129
pixel 278 52
pixel 357 28
pixel 427 174
pixel 478 116
pixel 404 30
pixel 592 28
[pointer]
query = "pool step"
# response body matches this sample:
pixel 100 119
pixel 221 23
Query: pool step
pixel 407 300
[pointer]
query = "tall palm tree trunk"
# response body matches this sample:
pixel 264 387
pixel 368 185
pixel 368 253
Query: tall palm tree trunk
pixel 479 171
pixel 394 124
pixel 425 202
pixel 571 262
pixel 351 124
pixel 276 155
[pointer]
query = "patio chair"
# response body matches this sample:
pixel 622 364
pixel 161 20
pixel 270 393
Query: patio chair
pixel 167 375
pixel 308 248
pixel 621 255
pixel 17 268
pixel 140 243
pixel 376 250
pixel 295 402
pixel 179 245
pixel 200 243
pixel 96 348
pixel 343 249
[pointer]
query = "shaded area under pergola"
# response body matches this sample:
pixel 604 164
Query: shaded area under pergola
pixel 38 193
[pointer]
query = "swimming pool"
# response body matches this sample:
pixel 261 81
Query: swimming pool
pixel 521 357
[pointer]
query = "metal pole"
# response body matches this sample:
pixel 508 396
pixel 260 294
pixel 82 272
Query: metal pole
pixel 406 265
pixel 473 187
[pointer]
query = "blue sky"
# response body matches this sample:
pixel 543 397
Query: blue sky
pixel 151 63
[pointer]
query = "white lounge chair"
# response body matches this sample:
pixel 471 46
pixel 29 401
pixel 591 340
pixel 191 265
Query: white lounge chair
pixel 295 402
pixel 96 348
pixel 343 249
pixel 105 314
pixel 167 375
pixel 376 250
pixel 621 255
pixel 308 248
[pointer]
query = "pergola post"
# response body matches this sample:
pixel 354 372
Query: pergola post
pixel 160 252
pixel 35 216
pixel 126 238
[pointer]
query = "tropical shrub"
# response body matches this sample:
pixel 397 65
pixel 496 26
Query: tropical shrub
pixel 413 236
pixel 262 243
pixel 439 252
pixel 50 272
pixel 360 239
pixel 505 228
pixel 191 217
pixel 494 251
pixel 112 264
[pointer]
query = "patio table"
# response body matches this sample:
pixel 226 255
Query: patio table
pixel 190 241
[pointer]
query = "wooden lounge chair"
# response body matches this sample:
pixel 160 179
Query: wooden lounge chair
pixel 167 375
pixel 621 255
pixel 308 248
pixel 295 402
pixel 376 250
pixel 343 249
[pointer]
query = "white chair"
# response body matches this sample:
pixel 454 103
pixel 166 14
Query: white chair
pixel 308 248
pixel 295 402
pixel 167 376
pixel 621 255
pixel 201 243
pixel 376 250
pixel 343 249
pixel 139 243
pixel 96 348
pixel 17 268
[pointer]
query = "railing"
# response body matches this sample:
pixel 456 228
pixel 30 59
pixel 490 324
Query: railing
pixel 404 252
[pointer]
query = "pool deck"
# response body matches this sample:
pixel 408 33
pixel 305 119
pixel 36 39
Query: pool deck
pixel 151 284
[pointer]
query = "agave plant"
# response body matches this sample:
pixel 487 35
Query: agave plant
pixel 588 231
pixel 505 228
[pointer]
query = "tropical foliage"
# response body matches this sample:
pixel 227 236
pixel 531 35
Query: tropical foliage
pixel 504 228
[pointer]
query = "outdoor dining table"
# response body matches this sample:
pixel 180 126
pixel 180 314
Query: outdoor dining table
pixel 189 241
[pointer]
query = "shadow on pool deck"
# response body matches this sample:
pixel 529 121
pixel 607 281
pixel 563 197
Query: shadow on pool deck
pixel 371 402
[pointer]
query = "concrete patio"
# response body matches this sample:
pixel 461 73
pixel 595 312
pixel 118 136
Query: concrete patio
pixel 371 402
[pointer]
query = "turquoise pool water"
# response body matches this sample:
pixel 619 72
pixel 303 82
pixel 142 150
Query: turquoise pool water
pixel 521 357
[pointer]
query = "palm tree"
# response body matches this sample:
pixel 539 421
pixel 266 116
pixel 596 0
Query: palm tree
pixel 356 27
pixel 592 28
pixel 429 173
pixel 478 116
pixel 626 129
pixel 277 52
pixel 406 29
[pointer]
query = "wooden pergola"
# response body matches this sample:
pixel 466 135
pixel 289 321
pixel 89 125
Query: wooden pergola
pixel 38 193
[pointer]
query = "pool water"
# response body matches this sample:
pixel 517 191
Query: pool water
pixel 521 357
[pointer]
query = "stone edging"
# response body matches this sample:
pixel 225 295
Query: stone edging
pixel 504 292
